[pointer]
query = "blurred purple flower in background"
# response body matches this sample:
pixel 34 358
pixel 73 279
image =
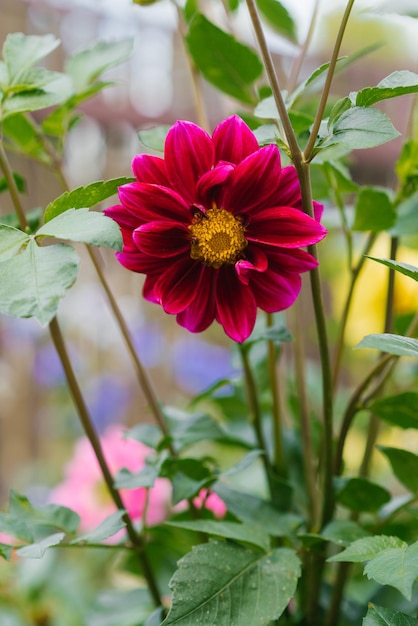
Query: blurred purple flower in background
pixel 199 364
pixel 108 398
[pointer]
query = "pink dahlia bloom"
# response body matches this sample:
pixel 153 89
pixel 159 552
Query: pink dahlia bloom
pixel 83 488
pixel 216 226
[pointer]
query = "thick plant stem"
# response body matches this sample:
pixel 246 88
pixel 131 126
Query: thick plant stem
pixel 330 75
pixel 90 432
pixel 13 190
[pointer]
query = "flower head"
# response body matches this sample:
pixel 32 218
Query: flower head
pixel 217 227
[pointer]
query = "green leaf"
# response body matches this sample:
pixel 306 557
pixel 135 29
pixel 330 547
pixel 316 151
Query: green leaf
pixel 15 526
pixel 20 133
pixel 397 567
pixel 154 138
pixel 122 608
pixel 232 585
pixel 367 548
pixel 53 93
pixel 82 225
pixel 46 515
pixel 38 549
pixel 398 83
pixel 360 494
pixel 149 434
pixel 146 477
pixel 407 220
pixel 247 533
pixel 109 527
pixel 343 532
pixel 228 64
pixel 393 344
pixel 378 616
pixel 279 18
pixel 249 508
pixel 360 127
pixel 11 241
pixel 406 168
pixel 86 66
pixel 188 477
pixel 5 551
pixel 405 466
pixel 20 52
pixel 400 410
pixel 34 281
pixel 374 210
pixel 187 429
pixel 403 268
pixel 84 197
pixel 243 464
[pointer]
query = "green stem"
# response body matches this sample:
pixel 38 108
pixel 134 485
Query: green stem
pixel 91 434
pixel 330 75
pixel 12 187
pixel 279 464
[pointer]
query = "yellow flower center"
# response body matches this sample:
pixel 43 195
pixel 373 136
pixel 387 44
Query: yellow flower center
pixel 217 238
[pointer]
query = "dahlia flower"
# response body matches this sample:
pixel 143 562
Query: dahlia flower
pixel 217 227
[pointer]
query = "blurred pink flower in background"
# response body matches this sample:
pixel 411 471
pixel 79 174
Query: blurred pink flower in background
pixel 84 490
pixel 210 501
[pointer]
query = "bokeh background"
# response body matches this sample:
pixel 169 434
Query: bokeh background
pixel 38 424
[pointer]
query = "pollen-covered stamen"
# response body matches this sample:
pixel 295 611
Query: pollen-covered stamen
pixel 217 238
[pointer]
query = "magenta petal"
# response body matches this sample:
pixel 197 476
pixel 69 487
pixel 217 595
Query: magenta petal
pixel 289 187
pixel 275 292
pixel 236 308
pixel 290 260
pixel 120 215
pixel 254 183
pixel 233 140
pixel 177 286
pixel 150 169
pixel 284 227
pixel 162 239
pixel 201 311
pixel 256 260
pixel 208 185
pixel 152 202
pixel 189 153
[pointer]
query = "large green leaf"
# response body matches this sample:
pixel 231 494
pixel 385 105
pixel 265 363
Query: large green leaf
pixel 11 241
pixel 343 532
pixel 373 210
pixel 21 134
pixel 397 567
pixel 400 410
pixel 85 226
pixel 34 281
pixel 361 127
pixel 360 494
pixel 20 52
pixel 222 583
pixel 367 548
pixel 247 533
pixel 225 62
pixel 398 83
pixel 86 66
pixel 187 429
pixel 84 197
pixel 44 515
pixel 405 466
pixel 378 616
pixel 393 344
pixel 403 268
pixel 279 18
